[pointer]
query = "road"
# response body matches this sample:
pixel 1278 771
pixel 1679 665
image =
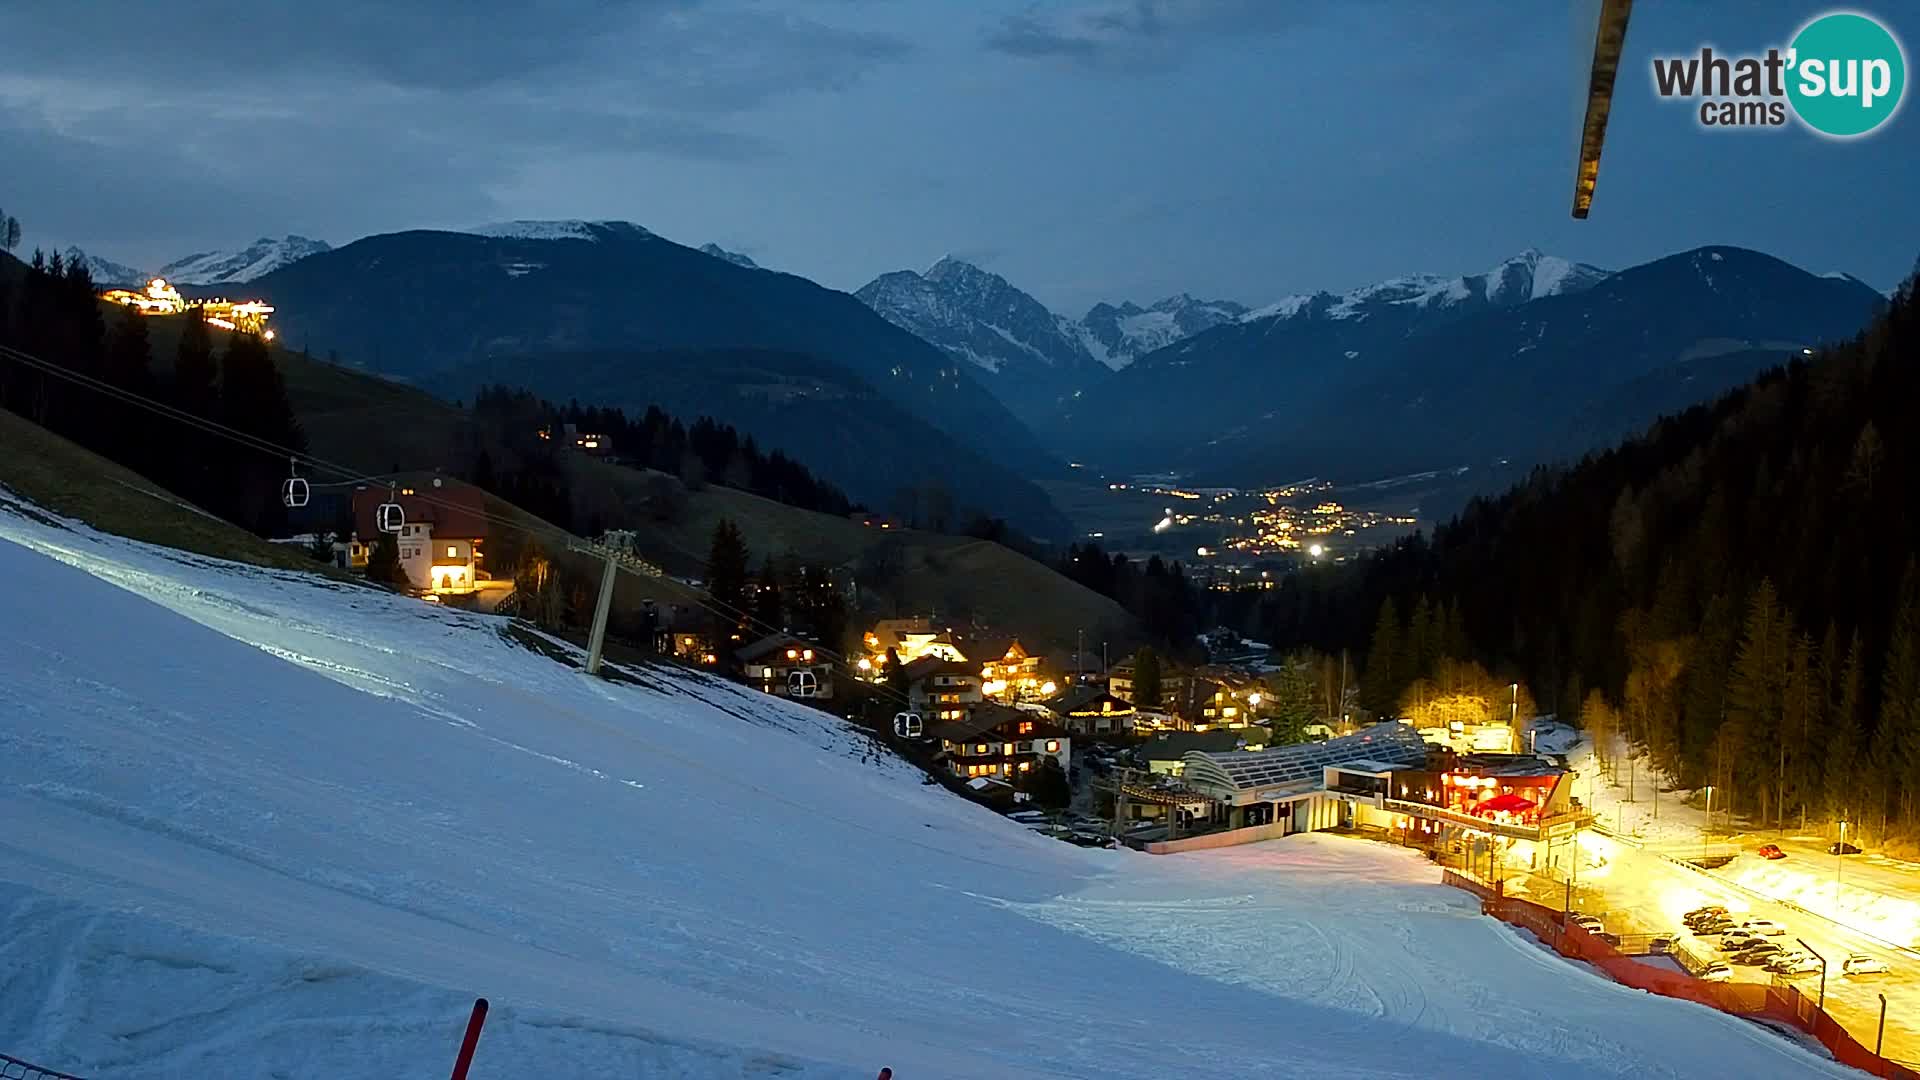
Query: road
pixel 1638 891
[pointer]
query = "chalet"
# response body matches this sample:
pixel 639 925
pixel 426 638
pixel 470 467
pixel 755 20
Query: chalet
pixel 442 538
pixel 1208 704
pixel 941 691
pixel 1015 674
pixel 909 639
pixel 1001 742
pixel 787 666
pixel 1091 710
pixel 1173 684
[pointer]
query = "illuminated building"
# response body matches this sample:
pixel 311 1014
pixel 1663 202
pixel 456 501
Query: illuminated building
pixel 996 741
pixel 161 298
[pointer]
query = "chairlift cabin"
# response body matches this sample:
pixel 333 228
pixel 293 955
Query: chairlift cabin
pixel 389 518
pixel 294 492
pixel 802 684
pixel 907 725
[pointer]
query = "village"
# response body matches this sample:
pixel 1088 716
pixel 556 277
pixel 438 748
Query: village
pixel 1139 750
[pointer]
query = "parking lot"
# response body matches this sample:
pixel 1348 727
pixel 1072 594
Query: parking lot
pixel 1638 892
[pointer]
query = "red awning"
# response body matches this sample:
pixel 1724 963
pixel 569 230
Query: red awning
pixel 1511 803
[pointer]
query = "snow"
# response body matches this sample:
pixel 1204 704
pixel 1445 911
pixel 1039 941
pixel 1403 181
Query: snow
pixel 258 259
pixel 260 823
pixel 553 230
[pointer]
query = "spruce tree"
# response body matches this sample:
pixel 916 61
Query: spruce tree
pixel 1380 683
pixel 1756 692
pixel 1844 735
pixel 1146 679
pixel 769 613
pixel 727 570
pixel 1900 693
pixel 195 390
pixel 133 432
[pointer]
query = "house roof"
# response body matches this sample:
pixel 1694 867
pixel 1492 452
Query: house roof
pixel 1077 698
pixel 927 666
pixel 988 716
pixel 1173 745
pixel 768 645
pixel 453 508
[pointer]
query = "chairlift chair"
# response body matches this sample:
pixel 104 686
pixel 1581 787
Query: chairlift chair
pixel 907 725
pixel 802 684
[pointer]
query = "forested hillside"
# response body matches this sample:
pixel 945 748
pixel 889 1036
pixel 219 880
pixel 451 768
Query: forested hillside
pixel 1737 589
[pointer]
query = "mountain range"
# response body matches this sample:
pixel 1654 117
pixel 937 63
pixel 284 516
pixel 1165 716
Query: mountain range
pixel 1537 357
pixel 204 268
pixel 1034 359
pixel 615 315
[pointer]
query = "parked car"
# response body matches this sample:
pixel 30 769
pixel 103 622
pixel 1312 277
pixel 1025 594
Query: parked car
pixel 1771 851
pixel 1588 923
pixel 1737 938
pixel 1708 909
pixel 1717 972
pixel 1859 964
pixel 1793 964
pixel 1764 926
pixel 1718 926
pixel 1842 848
pixel 1756 955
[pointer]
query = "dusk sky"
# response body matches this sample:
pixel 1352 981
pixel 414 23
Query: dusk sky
pixel 1086 149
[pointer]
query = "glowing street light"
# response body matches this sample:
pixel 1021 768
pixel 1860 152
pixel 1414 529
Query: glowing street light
pixel 1316 550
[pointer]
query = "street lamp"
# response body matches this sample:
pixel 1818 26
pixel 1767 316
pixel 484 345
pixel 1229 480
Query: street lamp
pixel 1709 825
pixel 1823 970
pixel 1839 860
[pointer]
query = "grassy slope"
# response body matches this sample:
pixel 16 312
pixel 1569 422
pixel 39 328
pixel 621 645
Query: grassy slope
pixel 372 425
pixel 75 482
pixel 1003 588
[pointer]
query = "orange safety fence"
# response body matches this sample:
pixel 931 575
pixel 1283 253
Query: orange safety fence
pixel 1780 1004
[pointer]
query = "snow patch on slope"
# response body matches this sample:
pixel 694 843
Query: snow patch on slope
pixel 257 259
pixel 554 230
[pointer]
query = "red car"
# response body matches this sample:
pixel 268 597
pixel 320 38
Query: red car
pixel 1772 851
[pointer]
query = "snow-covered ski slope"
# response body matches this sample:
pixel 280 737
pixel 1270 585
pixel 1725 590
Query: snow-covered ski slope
pixel 254 824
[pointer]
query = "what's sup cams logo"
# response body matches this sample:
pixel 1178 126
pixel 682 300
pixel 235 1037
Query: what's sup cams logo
pixel 1843 75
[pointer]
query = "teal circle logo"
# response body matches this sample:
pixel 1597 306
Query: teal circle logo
pixel 1846 74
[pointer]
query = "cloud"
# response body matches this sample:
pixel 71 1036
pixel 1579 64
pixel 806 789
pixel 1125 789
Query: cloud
pixel 338 117
pixel 1139 33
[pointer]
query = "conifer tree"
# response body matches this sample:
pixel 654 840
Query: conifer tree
pixel 1844 735
pixel 769 613
pixel 1900 693
pixel 727 569
pixel 1381 682
pixel 132 433
pixel 1146 679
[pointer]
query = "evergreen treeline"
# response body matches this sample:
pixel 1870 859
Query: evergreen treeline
pixel 52 313
pixel 1736 591
pixel 707 451
pixel 783 595
pixel 1156 592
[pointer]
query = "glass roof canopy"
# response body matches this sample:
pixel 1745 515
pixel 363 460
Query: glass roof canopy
pixel 1390 743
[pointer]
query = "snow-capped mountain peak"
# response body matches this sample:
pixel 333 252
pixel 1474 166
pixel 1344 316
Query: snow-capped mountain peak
pixel 571 229
pixel 105 271
pixel 257 259
pixel 1530 275
pixel 1033 355
pixel 733 257
pixel 1120 334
